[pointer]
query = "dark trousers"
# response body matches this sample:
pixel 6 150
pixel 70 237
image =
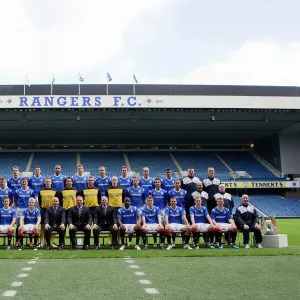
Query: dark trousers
pixel 87 234
pixel 60 232
pixel 257 234
pixel 103 227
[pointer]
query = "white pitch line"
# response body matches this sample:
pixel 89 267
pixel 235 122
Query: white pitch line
pixel 23 275
pixel 151 291
pixel 27 269
pixel 129 261
pixel 144 281
pixel 31 262
pixel 134 267
pixel 9 293
pixel 128 257
pixel 139 273
pixel 16 283
pixel 36 258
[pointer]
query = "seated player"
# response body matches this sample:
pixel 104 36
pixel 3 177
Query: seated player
pixel 247 220
pixel 151 219
pixel 55 220
pixel 129 219
pixel 7 220
pixel 222 219
pixel 199 218
pixel 30 223
pixel 174 218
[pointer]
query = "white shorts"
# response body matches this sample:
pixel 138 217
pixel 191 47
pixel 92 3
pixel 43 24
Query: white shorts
pixel 129 227
pixel 176 226
pixel 203 227
pixel 225 226
pixel 3 228
pixel 151 227
pixel 28 228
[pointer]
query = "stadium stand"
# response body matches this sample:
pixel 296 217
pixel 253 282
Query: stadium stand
pixel 8 160
pixel 47 162
pixel 274 205
pixel 156 161
pixel 112 161
pixel 201 161
pixel 240 161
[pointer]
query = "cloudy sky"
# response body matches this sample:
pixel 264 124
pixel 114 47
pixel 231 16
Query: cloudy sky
pixel 161 41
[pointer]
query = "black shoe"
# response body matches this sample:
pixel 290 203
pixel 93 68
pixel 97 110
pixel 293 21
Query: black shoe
pixel 60 247
pixel 73 247
pixel 112 247
pixel 96 247
pixel 48 247
pixel 86 247
pixel 21 247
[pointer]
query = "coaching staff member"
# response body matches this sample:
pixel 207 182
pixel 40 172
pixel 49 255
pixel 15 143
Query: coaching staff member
pixel 105 218
pixel 55 219
pixel 80 219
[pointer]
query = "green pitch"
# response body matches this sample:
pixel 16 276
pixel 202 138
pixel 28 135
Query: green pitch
pixel 172 278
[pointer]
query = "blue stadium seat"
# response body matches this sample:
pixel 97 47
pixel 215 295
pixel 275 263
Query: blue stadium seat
pixel 8 160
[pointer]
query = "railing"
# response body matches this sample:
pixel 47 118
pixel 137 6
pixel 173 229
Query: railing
pixel 268 165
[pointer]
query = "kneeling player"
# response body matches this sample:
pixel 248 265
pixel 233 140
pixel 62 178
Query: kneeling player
pixel 151 218
pixel 129 219
pixel 199 217
pixel 8 220
pixel 174 217
pixel 223 222
pixel 29 223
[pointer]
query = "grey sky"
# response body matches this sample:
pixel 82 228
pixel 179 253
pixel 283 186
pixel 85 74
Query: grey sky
pixel 161 41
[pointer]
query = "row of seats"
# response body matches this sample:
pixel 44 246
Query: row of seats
pixel 156 161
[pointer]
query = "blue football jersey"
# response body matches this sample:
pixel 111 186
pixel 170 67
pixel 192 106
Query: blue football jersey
pixel 7 215
pixel 147 185
pixel 22 197
pixel 151 215
pixel 58 182
pixel 80 182
pixel 124 182
pixel 181 196
pixel 14 183
pixel 160 197
pixel 36 184
pixel 128 216
pixel 102 184
pixel 137 196
pixel 168 184
pixel 200 214
pixel 30 217
pixel 175 215
pixel 6 193
pixel 221 216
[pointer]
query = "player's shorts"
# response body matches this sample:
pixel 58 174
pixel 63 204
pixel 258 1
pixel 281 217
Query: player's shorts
pixel 225 226
pixel 176 226
pixel 3 228
pixel 129 227
pixel 28 228
pixel 152 226
pixel 203 227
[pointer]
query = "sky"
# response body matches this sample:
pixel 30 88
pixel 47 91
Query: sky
pixel 160 41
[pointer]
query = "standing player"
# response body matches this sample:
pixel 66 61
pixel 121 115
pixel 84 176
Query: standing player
pixel 5 192
pixel 189 182
pixel 136 194
pixel 211 186
pixel 124 180
pixel 152 222
pixel 180 194
pixel 14 182
pixel 175 216
pixel 167 183
pixel 102 181
pixel 68 196
pixel 199 217
pixel 222 219
pixel 58 180
pixel 91 196
pixel 129 219
pixel 146 182
pixel 7 221
pixel 29 223
pixel 80 180
pixel 36 182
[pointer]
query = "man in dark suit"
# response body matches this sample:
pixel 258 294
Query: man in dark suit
pixel 80 219
pixel 55 220
pixel 105 218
